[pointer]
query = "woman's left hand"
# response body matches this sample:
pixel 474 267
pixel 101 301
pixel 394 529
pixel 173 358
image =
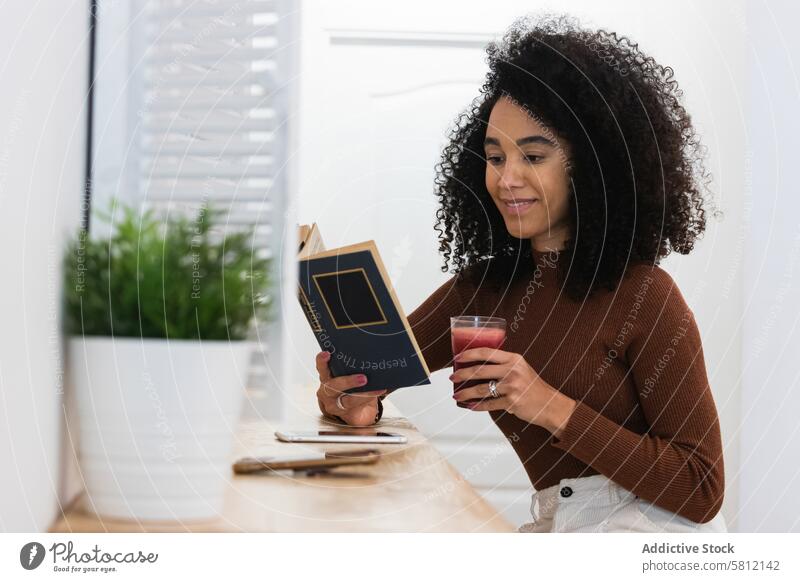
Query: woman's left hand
pixel 522 392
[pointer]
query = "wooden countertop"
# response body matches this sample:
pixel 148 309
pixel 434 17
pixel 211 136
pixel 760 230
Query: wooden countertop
pixel 412 488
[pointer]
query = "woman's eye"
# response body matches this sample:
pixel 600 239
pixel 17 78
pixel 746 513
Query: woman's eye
pixel 533 158
pixel 494 160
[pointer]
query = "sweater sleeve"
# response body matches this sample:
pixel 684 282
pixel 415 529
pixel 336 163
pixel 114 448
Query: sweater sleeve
pixel 678 463
pixel 430 323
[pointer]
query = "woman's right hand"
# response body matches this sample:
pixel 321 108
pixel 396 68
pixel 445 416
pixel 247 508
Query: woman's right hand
pixel 359 409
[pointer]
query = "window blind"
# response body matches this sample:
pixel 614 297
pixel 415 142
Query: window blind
pixel 203 113
pixel 212 117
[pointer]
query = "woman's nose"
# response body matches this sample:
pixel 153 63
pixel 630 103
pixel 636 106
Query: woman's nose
pixel 511 177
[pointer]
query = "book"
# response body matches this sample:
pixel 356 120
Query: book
pixel 353 310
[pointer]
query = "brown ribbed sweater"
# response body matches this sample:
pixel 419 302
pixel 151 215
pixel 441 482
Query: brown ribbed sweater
pixel 632 358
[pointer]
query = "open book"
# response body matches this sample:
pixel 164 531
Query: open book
pixel 350 304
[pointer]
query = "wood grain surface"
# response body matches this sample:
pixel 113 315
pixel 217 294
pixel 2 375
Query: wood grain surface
pixel 412 488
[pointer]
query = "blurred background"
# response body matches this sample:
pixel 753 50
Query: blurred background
pixel 287 112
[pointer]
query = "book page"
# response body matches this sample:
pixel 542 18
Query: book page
pixel 312 242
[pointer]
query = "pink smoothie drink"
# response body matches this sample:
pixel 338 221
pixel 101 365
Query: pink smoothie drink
pixel 467 338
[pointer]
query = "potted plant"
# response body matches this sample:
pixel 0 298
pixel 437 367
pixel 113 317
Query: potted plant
pixel 158 313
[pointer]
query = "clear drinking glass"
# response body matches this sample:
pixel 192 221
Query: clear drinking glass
pixel 474 331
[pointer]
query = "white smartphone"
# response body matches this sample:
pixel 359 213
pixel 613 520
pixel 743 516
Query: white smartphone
pixel 339 436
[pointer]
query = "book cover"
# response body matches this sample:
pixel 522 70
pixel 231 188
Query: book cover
pixel 350 305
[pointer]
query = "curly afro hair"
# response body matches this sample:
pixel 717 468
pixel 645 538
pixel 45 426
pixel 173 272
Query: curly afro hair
pixel 636 166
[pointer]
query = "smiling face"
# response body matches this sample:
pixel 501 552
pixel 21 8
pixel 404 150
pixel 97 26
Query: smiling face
pixel 526 162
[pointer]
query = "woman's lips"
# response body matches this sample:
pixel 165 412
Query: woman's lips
pixel 519 206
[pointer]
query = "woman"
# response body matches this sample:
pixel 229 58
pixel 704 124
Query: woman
pixel 573 173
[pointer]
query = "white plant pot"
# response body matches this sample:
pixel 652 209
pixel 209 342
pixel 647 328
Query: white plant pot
pixel 157 422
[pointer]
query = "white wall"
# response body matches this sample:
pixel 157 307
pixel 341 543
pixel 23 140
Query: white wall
pixel 770 442
pixel 361 178
pixel 741 281
pixel 43 79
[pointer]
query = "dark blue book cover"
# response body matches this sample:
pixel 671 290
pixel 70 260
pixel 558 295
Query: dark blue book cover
pixel 353 311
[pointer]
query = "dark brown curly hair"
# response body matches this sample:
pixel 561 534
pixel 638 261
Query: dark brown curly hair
pixel 636 165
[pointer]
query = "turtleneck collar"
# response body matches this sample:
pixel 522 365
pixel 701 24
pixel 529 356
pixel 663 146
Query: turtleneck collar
pixel 546 258
pixel 545 264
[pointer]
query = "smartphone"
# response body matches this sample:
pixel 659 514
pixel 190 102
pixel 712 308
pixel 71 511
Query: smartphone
pixel 339 436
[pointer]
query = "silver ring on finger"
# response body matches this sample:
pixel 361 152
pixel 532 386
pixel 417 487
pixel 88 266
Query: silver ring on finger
pixel 339 401
pixel 493 389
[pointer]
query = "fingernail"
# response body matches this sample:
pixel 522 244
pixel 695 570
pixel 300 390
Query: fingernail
pixel 325 355
pixel 362 379
pixel 452 376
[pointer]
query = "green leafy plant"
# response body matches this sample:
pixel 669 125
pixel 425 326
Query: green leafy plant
pixel 161 278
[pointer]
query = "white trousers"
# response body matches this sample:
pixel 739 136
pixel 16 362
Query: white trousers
pixel 598 504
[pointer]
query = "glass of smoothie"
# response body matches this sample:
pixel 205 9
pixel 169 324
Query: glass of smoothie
pixel 474 331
